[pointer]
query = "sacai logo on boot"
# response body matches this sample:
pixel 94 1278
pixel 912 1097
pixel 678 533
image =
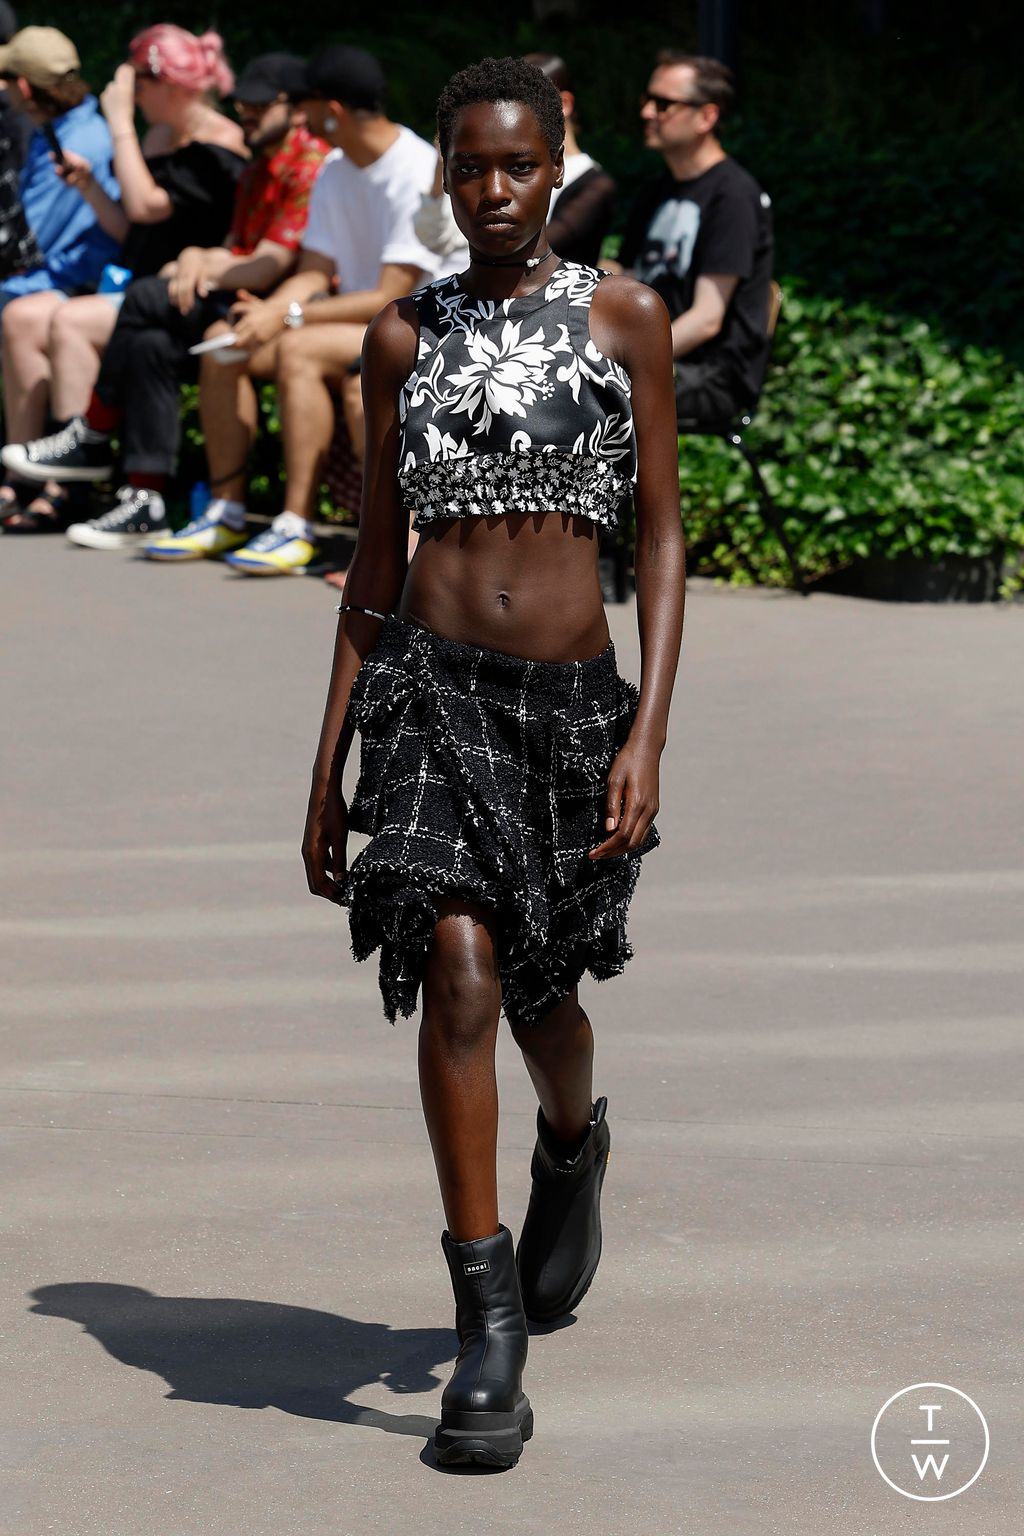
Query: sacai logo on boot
pixel 479 1268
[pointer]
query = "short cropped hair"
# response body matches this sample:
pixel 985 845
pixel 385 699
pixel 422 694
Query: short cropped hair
pixel 502 80
pixel 714 82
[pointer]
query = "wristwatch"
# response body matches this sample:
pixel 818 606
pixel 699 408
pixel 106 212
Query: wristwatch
pixel 294 318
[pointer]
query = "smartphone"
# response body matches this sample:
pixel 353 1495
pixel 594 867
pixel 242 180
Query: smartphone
pixel 214 344
pixel 50 135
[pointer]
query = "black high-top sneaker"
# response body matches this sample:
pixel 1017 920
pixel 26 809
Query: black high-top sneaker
pixel 485 1415
pixel 75 453
pixel 136 515
pixel 560 1246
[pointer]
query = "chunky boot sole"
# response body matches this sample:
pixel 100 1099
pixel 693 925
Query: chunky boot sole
pixel 483 1439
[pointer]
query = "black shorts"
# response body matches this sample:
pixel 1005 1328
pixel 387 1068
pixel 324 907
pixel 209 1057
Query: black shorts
pixel 483 776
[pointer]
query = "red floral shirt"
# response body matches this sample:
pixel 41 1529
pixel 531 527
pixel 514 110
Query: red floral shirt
pixel 272 200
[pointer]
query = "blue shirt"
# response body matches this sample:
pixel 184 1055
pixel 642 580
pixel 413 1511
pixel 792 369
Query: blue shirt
pixel 75 248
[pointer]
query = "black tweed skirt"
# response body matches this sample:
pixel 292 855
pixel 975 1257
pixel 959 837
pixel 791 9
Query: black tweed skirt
pixel 483 776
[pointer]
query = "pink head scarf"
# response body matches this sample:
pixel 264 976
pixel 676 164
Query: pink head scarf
pixel 170 53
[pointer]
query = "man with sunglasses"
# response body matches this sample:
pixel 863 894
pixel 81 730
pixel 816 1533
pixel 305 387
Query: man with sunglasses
pixel 702 238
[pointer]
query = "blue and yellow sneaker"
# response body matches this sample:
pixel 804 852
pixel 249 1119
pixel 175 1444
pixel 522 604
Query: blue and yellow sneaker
pixel 205 537
pixel 283 549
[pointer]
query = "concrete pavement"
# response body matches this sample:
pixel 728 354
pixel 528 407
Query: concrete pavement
pixel 225 1308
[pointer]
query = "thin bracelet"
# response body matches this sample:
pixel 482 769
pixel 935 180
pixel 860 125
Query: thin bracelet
pixel 355 608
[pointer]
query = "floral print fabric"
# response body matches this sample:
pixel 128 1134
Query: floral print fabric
pixel 513 408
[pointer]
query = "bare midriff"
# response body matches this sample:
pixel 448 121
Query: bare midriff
pixel 525 583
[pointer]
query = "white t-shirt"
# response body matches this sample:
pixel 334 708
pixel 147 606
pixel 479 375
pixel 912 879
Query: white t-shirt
pixel 361 218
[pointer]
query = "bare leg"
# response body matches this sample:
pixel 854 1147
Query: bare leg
pixel 352 404
pixel 229 413
pixel 309 361
pixel 79 332
pixel 26 364
pixel 559 1056
pixel 458 1033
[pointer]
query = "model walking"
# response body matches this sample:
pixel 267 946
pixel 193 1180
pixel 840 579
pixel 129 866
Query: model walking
pixel 508 775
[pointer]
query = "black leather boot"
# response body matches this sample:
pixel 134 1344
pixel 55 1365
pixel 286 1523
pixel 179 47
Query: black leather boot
pixel 485 1416
pixel 560 1246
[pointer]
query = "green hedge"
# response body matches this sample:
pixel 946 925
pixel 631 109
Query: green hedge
pixel 878 437
pixel 921 224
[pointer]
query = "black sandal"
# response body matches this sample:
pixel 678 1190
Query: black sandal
pixel 45 513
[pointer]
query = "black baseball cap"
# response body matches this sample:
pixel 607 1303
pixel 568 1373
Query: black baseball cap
pixel 268 76
pixel 348 75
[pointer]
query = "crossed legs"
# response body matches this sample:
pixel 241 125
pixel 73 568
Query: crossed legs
pixel 458 1034
pixel 51 356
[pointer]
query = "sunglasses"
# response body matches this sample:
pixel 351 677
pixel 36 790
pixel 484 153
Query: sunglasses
pixel 663 104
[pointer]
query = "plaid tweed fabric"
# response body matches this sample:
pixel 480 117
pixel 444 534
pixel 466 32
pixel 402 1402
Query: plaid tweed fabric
pixel 483 776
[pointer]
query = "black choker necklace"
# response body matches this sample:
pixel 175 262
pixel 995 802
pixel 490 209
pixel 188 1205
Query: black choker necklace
pixel 531 261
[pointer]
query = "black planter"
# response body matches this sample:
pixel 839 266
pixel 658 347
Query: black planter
pixel 908 579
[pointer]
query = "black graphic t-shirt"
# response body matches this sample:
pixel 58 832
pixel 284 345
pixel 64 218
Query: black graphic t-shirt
pixel 718 224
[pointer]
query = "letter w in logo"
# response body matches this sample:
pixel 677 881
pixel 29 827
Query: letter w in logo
pixel 922 1467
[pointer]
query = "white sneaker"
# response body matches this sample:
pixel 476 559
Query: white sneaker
pixel 137 515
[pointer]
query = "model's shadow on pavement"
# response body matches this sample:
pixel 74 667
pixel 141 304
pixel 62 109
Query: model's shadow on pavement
pixel 258 1354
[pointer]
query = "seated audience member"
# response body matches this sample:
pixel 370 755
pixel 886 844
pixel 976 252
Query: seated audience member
pixel 69 250
pixel 702 237
pixel 137 391
pixel 176 189
pixel 583 207
pixel 360 237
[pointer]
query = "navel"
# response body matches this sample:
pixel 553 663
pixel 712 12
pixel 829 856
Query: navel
pixel 503 599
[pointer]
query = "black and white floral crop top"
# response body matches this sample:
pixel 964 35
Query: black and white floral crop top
pixel 512 408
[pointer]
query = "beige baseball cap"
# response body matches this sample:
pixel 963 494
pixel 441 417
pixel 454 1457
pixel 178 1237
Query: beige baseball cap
pixel 41 55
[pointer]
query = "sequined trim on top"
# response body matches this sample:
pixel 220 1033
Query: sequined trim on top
pixel 493 484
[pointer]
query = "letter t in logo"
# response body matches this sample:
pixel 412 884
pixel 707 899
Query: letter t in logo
pixel 922 1468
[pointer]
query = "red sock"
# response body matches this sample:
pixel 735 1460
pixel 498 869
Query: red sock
pixel 100 417
pixel 144 482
